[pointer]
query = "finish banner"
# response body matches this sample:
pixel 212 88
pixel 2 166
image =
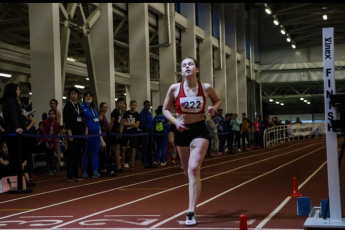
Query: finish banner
pixel 295 130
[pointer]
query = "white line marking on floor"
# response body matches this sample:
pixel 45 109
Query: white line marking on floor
pixel 275 211
pixel 155 194
pixel 233 188
pixel 147 172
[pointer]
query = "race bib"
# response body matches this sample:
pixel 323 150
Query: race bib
pixel 191 104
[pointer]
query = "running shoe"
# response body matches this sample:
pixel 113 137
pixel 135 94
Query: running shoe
pixel 72 179
pixel 163 163
pixel 173 162
pixel 190 219
pixel 84 175
pixel 96 175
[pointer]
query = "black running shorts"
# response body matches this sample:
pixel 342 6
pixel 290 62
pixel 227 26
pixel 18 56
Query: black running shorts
pixel 196 130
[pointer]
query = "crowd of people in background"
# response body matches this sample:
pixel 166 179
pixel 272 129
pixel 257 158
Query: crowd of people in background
pixel 87 154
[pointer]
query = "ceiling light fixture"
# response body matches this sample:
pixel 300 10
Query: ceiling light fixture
pixel 305 101
pixel 87 79
pixel 308 103
pixel 79 86
pixel 293 46
pixel 288 39
pixel 282 104
pixel 277 102
pixel 301 98
pixel 64 97
pixel 275 20
pixel 324 17
pixel 271 100
pixel 282 31
pixel 5 75
pixel 268 10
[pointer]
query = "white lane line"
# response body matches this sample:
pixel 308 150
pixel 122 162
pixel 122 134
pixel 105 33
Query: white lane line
pixel 275 211
pixel 155 194
pixel 233 188
pixel 147 172
pixel 128 215
pixel 46 216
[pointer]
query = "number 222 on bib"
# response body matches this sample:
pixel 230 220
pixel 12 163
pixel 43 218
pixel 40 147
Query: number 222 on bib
pixel 191 104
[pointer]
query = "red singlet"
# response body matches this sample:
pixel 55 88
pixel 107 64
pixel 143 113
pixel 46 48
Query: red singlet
pixel 191 104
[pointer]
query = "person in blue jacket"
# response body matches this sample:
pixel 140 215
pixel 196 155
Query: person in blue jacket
pixel 92 143
pixel 146 125
pixel 161 127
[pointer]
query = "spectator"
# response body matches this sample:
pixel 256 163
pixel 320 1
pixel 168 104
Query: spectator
pixel 245 128
pixel 257 132
pixel 53 105
pixel 8 169
pixel 236 129
pixel 131 122
pixel 73 116
pixel 298 121
pixel 220 129
pixel 105 160
pixel 161 128
pixel 115 124
pixel 14 122
pixel 51 127
pixel 213 132
pixel 228 129
pixel 92 143
pixel 63 146
pixel 146 125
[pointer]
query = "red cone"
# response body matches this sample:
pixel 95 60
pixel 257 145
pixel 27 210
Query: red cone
pixel 295 192
pixel 243 222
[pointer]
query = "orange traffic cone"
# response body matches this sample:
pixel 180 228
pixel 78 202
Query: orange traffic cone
pixel 295 192
pixel 243 222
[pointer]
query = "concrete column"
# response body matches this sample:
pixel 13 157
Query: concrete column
pixel 205 46
pixel 188 40
pixel 155 101
pixel 139 52
pixel 167 52
pixel 45 56
pixel 220 70
pixel 241 67
pixel 231 63
pixel 102 46
pixel 128 97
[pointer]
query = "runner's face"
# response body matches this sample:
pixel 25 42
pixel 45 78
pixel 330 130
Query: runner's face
pixel 189 68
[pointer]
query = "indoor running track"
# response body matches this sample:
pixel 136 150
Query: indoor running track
pixel 256 183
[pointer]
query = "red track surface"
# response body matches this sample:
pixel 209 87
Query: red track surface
pixel 255 183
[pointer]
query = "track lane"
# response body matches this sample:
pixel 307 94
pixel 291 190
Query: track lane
pixel 183 192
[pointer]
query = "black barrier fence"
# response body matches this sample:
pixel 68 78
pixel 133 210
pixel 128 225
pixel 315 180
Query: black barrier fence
pixel 17 143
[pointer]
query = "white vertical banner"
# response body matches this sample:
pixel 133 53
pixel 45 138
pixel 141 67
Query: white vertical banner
pixel 330 114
